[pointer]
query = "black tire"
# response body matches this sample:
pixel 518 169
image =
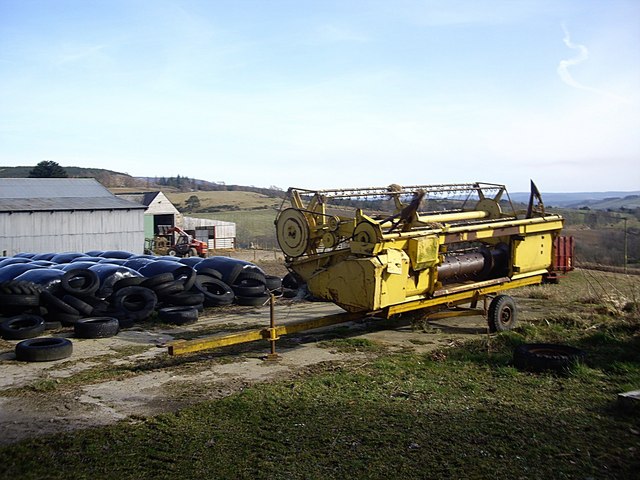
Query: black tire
pixel 19 300
pixel 17 287
pixel 21 327
pixel 248 291
pixel 96 327
pixel 212 272
pixel 178 315
pixel 502 314
pixel 290 281
pixel 80 282
pixel 250 276
pixel 273 282
pixel 216 292
pixel 157 279
pixel 137 302
pixel 128 282
pixel 46 349
pixel 56 304
pixel 256 301
pixel 289 292
pixel 185 299
pixel 170 288
pixel 81 306
pixel 537 357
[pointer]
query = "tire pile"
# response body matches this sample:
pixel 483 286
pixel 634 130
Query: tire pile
pixel 99 292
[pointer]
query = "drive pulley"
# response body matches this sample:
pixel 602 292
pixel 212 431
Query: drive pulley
pixel 293 232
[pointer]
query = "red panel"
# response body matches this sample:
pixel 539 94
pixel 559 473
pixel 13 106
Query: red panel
pixel 563 258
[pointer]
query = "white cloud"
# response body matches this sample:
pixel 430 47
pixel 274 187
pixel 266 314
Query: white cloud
pixel 583 55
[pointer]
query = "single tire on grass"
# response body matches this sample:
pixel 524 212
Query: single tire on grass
pixel 45 349
pixel 537 357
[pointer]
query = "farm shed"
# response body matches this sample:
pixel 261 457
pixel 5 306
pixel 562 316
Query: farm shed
pixel 66 214
pixel 217 233
pixel 159 211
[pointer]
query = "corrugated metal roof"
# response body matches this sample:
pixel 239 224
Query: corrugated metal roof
pixel 37 194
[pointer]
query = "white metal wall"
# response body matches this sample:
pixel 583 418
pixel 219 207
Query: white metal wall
pixel 221 234
pixel 77 231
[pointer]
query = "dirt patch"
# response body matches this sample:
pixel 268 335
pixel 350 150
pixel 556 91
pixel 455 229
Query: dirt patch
pixel 131 375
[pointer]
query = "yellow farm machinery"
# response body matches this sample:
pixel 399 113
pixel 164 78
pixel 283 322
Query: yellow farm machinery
pixel 433 248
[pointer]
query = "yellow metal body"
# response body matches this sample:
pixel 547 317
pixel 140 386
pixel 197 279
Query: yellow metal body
pixel 407 259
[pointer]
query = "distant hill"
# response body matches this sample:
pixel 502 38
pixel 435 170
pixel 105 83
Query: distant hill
pixel 614 200
pixel 108 178
pixel 593 200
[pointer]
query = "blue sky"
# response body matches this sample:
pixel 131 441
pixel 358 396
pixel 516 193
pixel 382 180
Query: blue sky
pixel 324 94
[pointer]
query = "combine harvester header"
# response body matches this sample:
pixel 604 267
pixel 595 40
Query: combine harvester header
pixel 391 250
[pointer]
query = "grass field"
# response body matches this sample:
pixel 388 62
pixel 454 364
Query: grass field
pixel 225 200
pixel 459 412
pixel 252 226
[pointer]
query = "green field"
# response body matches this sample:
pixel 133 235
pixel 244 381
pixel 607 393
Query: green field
pixel 458 412
pixel 252 226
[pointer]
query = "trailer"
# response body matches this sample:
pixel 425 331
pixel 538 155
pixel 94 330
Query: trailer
pixel 443 250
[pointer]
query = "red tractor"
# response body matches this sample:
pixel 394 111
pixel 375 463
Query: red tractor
pixel 185 245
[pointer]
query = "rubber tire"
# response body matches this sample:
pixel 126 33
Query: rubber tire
pixel 248 291
pixel 170 288
pixel 19 300
pixel 45 349
pixel 537 357
pixel 255 301
pixel 88 286
pixel 122 301
pixel 273 282
pixel 250 277
pixel 178 315
pixel 21 327
pixel 128 282
pixel 157 279
pixel 502 314
pixel 216 292
pixel 185 299
pixel 81 306
pixel 212 272
pixel 57 304
pixel 96 327
pixel 290 281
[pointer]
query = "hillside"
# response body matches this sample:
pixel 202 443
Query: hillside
pixel 594 200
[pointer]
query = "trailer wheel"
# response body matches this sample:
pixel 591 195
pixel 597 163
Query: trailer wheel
pixel 502 314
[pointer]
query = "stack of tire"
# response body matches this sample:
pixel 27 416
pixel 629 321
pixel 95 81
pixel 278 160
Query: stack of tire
pixel 99 292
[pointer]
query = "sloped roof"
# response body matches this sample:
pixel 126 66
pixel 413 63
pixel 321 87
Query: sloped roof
pixel 143 198
pixel 45 194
